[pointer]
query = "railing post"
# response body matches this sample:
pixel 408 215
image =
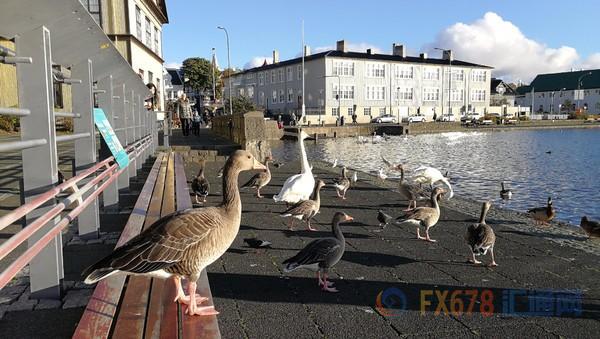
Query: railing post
pixel 85 148
pixel 139 120
pixel 123 121
pixel 131 134
pixel 106 101
pixel 40 164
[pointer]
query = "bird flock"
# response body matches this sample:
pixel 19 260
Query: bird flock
pixel 179 246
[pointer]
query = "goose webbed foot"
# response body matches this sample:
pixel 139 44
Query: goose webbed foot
pixel 193 308
pixel 473 260
pixel 492 264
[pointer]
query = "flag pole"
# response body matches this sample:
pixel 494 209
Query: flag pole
pixel 303 53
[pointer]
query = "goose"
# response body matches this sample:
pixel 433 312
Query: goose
pixel 424 216
pixel 322 254
pixel 390 165
pixel 257 243
pixel 542 215
pixel 182 244
pixel 200 185
pixel 334 164
pixel 298 187
pixel 430 175
pixel 306 209
pixel 261 179
pixel 386 137
pixel 376 139
pixel 591 227
pixel 354 177
pixel 481 237
pixel 383 218
pixel 381 175
pixel 342 184
pixel 410 192
pixel 505 194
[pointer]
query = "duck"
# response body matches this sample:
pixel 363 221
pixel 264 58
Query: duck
pixel 410 192
pixel 182 244
pixel 342 184
pixel 261 179
pixel 306 209
pixel 543 215
pixel 505 193
pixel 298 187
pixel 430 175
pixel 424 216
pixel 322 254
pixel 383 218
pixel 480 237
pixel 200 185
pixel 590 227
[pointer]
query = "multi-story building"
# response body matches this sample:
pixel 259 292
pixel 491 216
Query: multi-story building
pixel 340 82
pixel 173 83
pixel 135 27
pixel 556 93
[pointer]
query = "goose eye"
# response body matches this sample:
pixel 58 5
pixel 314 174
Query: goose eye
pixel 249 157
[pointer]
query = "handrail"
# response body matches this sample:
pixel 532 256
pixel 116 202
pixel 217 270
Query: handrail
pixel 71 137
pixel 19 112
pixel 67 115
pixel 21 145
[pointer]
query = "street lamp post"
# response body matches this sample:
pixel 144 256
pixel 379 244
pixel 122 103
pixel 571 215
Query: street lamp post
pixel 579 87
pixel 214 88
pixel 449 51
pixel 228 66
pixel 552 106
pixel 339 98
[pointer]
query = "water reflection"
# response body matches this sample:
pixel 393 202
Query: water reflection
pixel 478 161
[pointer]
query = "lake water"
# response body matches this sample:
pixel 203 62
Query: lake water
pixel 478 161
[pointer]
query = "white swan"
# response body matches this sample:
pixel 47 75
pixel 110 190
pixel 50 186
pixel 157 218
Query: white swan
pixel 299 186
pixel 430 175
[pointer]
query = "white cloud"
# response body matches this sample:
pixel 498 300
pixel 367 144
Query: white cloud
pixel 172 64
pixel 258 61
pixel 496 42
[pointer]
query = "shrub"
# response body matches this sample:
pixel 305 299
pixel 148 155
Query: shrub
pixel 7 124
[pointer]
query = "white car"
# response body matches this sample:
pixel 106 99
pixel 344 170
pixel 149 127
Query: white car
pixel 384 118
pixel 415 118
pixel 448 118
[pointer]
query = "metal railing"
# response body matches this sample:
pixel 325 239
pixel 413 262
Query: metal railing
pixel 62 32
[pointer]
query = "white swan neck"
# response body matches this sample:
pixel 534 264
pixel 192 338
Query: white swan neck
pixel 304 163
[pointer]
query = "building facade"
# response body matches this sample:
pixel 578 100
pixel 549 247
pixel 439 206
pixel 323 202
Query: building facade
pixel 135 27
pixel 561 93
pixel 339 82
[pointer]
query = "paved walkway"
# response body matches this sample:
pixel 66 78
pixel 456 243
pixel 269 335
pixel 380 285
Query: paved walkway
pixel 205 140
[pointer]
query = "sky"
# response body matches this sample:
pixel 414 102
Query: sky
pixel 518 38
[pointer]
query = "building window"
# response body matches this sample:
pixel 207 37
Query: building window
pixel 457 95
pixel 350 110
pixel 281 96
pixel 250 91
pixel 299 72
pixel 431 94
pixel 241 92
pixel 138 23
pixel 375 93
pixel 156 41
pixel 478 95
pixel 335 111
pixel 431 73
pixel 141 73
pixel 375 70
pixel 478 75
pixel 93 6
pixel 273 76
pixel 404 94
pixel 343 68
pixel 404 72
pixel 58 90
pixel 346 92
pixel 280 72
pixel 261 79
pixel 290 74
pixel 274 96
pixel 367 111
pixel 150 76
pixel 290 95
pixel 148 33
pixel 458 75
pixel 381 111
pixel 261 98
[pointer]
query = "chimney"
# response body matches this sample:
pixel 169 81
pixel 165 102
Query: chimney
pixel 448 55
pixel 398 50
pixel 423 56
pixel 369 51
pixel 275 56
pixel 341 46
pixel 306 50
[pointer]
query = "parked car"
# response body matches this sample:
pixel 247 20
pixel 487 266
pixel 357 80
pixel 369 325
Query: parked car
pixel 386 118
pixel 448 118
pixel 471 116
pixel 414 118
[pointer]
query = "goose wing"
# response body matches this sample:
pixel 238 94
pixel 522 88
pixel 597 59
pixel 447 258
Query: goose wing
pixel 301 208
pixel 316 252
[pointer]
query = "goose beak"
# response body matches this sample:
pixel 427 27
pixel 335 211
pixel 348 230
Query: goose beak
pixel 349 218
pixel 258 166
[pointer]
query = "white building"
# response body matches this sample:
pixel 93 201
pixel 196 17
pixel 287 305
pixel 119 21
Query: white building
pixel 556 93
pixel 173 83
pixel 339 81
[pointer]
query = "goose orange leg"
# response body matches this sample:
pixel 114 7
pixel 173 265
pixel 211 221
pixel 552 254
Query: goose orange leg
pixel 193 308
pixel 181 297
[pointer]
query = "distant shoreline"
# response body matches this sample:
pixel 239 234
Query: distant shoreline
pixel 440 127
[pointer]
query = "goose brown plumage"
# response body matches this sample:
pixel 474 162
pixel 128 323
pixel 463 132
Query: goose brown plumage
pixel 307 209
pixel 424 216
pixel 261 179
pixel 200 185
pixel 342 184
pixel 481 237
pixel 543 215
pixel 591 227
pixel 184 243
pixel 411 192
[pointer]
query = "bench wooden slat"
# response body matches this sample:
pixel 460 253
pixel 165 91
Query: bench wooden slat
pixel 157 305
pixel 99 313
pixel 131 320
pixel 194 326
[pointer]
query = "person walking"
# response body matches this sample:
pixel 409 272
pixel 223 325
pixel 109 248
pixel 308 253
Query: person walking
pixel 196 124
pixel 185 113
pixel 354 118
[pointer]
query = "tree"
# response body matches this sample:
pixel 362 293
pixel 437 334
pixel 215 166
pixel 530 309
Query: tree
pixel 198 72
pixel 240 105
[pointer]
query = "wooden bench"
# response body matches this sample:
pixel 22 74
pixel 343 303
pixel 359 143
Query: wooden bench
pixel 140 307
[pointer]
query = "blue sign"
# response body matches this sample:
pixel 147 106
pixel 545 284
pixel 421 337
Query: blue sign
pixel 110 138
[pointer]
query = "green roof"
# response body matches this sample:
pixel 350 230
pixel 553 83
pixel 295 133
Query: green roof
pixel 567 80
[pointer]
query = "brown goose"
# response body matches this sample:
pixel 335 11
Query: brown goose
pixel 481 237
pixel 261 179
pixel 424 216
pixel 342 184
pixel 543 215
pixel 200 185
pixel 591 227
pixel 321 254
pixel 184 243
pixel 411 192
pixel 305 210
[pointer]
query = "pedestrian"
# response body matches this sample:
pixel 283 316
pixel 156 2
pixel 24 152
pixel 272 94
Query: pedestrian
pixel 354 118
pixel 185 113
pixel 196 124
pixel 342 120
pixel 293 122
pixel 434 116
pixel 230 126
